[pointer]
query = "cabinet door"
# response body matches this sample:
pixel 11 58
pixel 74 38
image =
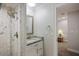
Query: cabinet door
pixel 31 50
pixel 35 49
pixel 40 48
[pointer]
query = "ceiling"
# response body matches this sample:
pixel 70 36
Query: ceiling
pixel 12 5
pixel 66 7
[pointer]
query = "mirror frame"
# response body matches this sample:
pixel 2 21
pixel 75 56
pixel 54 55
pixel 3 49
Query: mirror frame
pixel 32 25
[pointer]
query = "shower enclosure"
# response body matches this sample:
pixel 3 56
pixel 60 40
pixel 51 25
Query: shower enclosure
pixel 11 28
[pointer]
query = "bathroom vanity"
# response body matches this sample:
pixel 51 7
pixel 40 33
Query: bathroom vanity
pixel 34 46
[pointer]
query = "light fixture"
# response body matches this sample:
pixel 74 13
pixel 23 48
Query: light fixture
pixel 60 32
pixel 31 4
pixel 63 17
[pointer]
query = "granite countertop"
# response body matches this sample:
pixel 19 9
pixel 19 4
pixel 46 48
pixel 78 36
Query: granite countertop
pixel 33 40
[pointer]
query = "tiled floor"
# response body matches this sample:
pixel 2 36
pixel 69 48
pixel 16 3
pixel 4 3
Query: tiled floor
pixel 62 50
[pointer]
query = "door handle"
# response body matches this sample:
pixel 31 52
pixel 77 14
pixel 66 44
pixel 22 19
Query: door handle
pixel 16 34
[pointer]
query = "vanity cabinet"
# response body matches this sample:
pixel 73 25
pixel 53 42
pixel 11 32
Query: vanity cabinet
pixel 35 49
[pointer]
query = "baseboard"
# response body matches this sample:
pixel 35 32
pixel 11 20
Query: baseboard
pixel 72 50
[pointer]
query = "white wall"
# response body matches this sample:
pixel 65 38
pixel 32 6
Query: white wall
pixel 45 25
pixel 73 30
pixel 30 10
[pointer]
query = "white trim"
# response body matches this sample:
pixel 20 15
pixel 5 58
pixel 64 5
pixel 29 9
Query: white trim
pixel 72 50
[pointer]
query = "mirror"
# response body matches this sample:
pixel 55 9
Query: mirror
pixel 29 23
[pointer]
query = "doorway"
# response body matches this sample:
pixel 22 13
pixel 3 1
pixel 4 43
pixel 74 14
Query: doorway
pixel 67 29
